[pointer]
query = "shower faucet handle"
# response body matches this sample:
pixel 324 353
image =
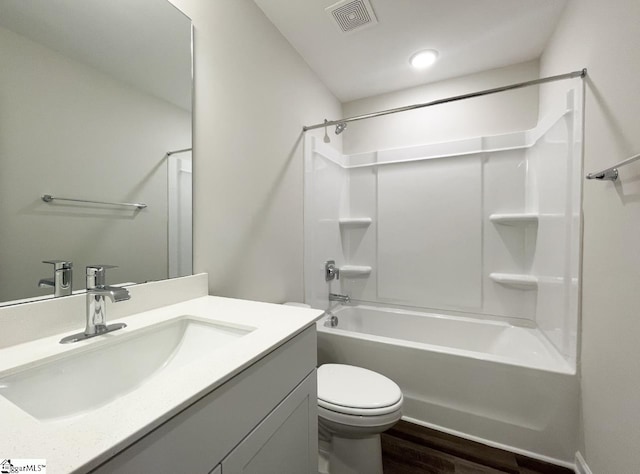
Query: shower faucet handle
pixel 331 271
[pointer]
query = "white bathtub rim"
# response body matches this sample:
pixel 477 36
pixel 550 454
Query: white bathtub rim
pixel 562 366
pixel 493 444
pixel 467 316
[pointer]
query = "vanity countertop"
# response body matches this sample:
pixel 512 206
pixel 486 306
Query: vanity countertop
pixel 80 443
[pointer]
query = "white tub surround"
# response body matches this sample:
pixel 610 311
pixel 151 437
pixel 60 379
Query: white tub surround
pixel 470 296
pixel 490 381
pixel 81 442
pixel 485 226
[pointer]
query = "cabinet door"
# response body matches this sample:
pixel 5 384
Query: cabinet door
pixel 285 442
pixel 202 435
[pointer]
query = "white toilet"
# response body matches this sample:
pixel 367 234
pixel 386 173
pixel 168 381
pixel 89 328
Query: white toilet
pixel 355 405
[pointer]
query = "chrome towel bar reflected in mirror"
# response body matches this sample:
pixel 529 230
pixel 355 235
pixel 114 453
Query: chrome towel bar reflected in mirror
pixel 50 198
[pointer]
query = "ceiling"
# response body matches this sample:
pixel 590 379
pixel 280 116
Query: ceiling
pixel 470 36
pixel 146 43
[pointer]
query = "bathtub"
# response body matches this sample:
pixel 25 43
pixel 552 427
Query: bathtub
pixel 489 381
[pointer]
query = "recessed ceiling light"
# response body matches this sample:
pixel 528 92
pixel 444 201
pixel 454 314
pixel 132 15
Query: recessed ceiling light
pixel 424 59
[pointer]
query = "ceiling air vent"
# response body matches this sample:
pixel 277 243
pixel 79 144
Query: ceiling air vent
pixel 352 15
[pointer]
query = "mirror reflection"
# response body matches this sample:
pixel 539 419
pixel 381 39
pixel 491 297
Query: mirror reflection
pixel 95 111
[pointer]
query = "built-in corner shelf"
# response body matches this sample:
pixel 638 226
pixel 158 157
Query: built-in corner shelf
pixel 516 280
pixel 355 271
pixel 514 218
pixel 346 222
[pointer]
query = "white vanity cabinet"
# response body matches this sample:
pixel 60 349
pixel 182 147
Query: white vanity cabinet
pixel 262 420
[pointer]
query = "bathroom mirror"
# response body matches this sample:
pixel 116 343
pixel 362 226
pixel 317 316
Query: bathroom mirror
pixel 95 98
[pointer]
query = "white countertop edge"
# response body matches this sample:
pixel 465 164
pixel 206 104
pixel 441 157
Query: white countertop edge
pixel 81 443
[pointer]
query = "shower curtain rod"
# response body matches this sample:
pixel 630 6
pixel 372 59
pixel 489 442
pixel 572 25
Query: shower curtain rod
pixel 184 150
pixel 570 75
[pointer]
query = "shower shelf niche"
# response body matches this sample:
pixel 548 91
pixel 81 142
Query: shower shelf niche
pixel 516 280
pixel 355 222
pixel 514 218
pixel 355 271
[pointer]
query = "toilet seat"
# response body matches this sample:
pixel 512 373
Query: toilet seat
pixel 357 391
pixel 361 411
pixel 349 423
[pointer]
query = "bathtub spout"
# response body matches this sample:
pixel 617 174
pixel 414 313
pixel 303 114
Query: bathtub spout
pixel 339 298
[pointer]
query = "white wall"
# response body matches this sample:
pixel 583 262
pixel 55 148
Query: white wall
pixel 70 130
pixel 253 95
pixel 603 36
pixel 518 110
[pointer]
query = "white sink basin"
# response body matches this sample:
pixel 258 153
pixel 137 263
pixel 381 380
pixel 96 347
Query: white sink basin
pixel 85 379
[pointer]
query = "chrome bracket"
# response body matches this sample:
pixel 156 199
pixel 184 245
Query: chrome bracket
pixel 610 174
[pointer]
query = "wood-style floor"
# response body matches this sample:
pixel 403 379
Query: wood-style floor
pixel 412 449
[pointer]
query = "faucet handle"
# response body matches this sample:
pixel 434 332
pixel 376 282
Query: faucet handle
pixel 60 264
pixel 96 274
pixel 62 281
pixel 98 267
pixel 331 271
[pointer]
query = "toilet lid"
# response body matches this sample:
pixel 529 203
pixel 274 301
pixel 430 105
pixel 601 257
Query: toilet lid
pixel 355 387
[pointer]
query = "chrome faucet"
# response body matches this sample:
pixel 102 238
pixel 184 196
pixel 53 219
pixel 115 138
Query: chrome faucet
pixel 97 305
pixel 62 281
pixel 339 298
pixel 331 271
